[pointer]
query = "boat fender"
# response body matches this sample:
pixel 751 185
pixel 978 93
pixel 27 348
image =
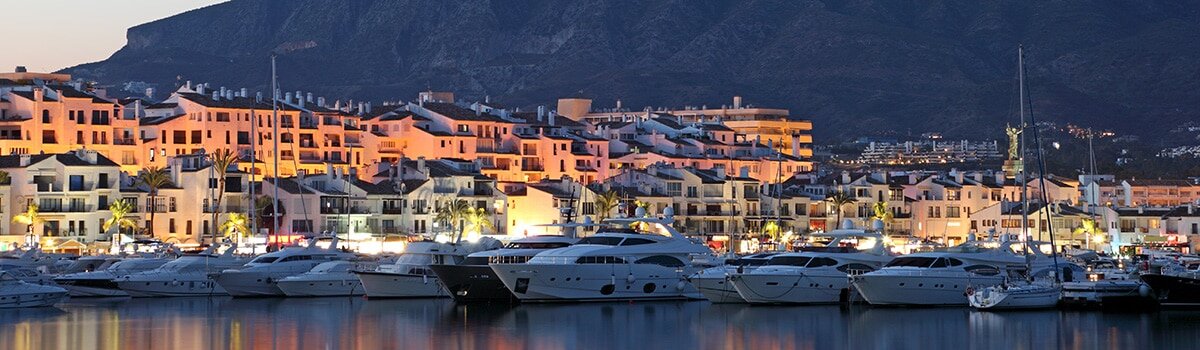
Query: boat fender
pixel 741 269
pixel 175 283
pixel 425 279
pixel 1144 290
pixel 680 285
pixel 630 279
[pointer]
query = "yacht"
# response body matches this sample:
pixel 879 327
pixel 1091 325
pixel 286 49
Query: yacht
pixel 101 283
pixel 410 276
pixel 815 275
pixel 1106 284
pixel 189 275
pixel 473 280
pixel 1177 285
pixel 15 293
pixel 943 278
pixel 714 284
pixel 636 258
pixel 257 278
pixel 329 279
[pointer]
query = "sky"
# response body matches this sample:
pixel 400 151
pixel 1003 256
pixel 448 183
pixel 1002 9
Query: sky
pixel 48 35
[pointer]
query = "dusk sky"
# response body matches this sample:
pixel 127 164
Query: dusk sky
pixel 48 35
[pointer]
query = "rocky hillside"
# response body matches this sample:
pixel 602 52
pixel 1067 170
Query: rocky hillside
pixel 855 67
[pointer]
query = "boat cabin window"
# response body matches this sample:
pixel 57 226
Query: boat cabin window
pixel 819 262
pixel 516 259
pixel 264 260
pixel 536 245
pixel 636 241
pixel 790 261
pixel 955 262
pixel 984 270
pixel 600 240
pixel 414 259
pixel 475 260
pixel 855 267
pixel 912 261
pixel 296 258
pixel 599 260
pixel 662 260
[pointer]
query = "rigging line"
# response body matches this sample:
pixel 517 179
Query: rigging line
pixel 1042 171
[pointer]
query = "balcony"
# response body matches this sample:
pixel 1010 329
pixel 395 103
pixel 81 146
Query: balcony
pixel 343 210
pixel 125 142
pixel 394 211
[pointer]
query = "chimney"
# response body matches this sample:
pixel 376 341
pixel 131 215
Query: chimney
pixel 845 177
pixel 222 91
pixel 321 101
pixel 308 97
pixel 25 159
pixel 299 101
pixel 329 169
pixel 978 176
pixel 287 98
pixel 229 95
pixel 216 95
pixel 1141 209
pixel 958 175
pixel 541 112
pixel 421 166
pixel 258 97
pixel 38 93
pixel 618 105
pixel 1191 208
pixel 737 102
pixel 244 93
pixel 187 84
pixel 200 89
pixel 550 118
pixel 368 107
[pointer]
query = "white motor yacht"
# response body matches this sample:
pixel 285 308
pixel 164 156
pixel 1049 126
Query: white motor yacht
pixel 629 259
pixel 714 284
pixel 815 275
pixel 15 293
pixel 257 278
pixel 101 283
pixel 410 276
pixel 473 280
pixel 1106 284
pixel 330 278
pixel 189 275
pixel 943 278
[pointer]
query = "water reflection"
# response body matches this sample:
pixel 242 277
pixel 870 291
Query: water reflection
pixel 332 323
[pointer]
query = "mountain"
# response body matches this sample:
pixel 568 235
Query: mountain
pixel 855 67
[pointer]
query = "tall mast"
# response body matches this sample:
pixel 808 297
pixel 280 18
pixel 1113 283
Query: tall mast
pixel 1087 236
pixel 1041 177
pixel 1024 175
pixel 275 141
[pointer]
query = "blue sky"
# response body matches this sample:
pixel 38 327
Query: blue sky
pixel 48 35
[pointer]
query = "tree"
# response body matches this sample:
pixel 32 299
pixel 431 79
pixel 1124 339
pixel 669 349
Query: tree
pixel 605 203
pixel 29 218
pixel 119 216
pixel 236 225
pixel 772 229
pixel 479 220
pixel 452 215
pixel 838 199
pixel 221 160
pixel 155 178
pixel 5 178
pixel 882 213
pixel 1088 226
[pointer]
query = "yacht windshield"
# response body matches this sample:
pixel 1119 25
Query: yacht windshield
pixel 182 265
pixel 912 261
pixel 975 247
pixel 414 259
pixel 790 260
pixel 536 245
pixel 600 240
pixel 264 260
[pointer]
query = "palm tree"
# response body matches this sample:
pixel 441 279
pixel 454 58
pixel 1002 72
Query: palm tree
pixel 772 229
pixel 605 203
pixel 5 178
pixel 155 178
pixel 237 225
pixel 29 218
pixel 120 218
pixel 451 215
pixel 1088 227
pixel 479 220
pixel 838 199
pixel 882 213
pixel 221 160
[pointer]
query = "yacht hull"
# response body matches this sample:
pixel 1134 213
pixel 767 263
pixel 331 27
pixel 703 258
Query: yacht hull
pixel 321 287
pixel 91 287
pixel 595 282
pixel 187 286
pixel 919 290
pixel 241 284
pixel 717 289
pixel 808 288
pixel 472 283
pixel 995 298
pixel 1106 293
pixel 1173 290
pixel 398 285
pixel 33 298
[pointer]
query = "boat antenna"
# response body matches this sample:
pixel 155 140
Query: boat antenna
pixel 1042 172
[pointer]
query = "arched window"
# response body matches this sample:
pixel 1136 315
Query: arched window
pixel 661 260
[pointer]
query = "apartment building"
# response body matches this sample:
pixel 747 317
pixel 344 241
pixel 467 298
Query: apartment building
pixel 72 192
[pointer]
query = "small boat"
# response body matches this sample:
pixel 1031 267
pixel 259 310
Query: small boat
pixel 329 279
pixel 410 276
pixel 1106 286
pixel 101 283
pixel 257 278
pixel 15 293
pixel 714 283
pixel 1016 295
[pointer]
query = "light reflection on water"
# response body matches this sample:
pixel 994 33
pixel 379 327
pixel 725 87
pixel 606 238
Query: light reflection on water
pixel 345 323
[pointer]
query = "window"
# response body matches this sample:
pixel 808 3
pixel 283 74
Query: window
pixel 911 262
pixel 855 268
pixel 984 270
pixel 661 260
pixel 637 241
pixel 171 225
pixel 953 212
pixel 599 260
pixel 600 240
pixel 820 262
pixel 789 261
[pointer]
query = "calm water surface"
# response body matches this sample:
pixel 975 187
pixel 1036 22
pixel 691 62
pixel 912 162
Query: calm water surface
pixel 346 323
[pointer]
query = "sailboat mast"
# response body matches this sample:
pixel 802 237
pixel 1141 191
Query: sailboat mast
pixel 1024 175
pixel 275 141
pixel 1041 176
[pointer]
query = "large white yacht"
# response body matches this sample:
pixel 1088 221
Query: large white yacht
pixel 816 274
pixel 627 259
pixel 15 293
pixel 714 284
pixel 190 275
pixel 257 278
pixel 329 279
pixel 410 276
pixel 473 280
pixel 945 277
pixel 100 283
